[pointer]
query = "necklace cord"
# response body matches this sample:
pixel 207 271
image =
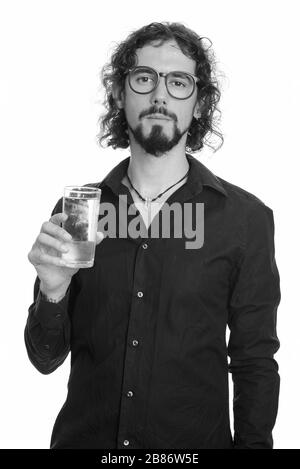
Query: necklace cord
pixel 159 195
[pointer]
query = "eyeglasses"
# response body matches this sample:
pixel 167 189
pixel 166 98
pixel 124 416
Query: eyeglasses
pixel 144 80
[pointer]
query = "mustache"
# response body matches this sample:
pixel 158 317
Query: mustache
pixel 158 110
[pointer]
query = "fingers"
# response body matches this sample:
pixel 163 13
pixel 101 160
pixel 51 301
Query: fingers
pixel 44 258
pixel 46 240
pixel 51 242
pixel 58 218
pixel 52 227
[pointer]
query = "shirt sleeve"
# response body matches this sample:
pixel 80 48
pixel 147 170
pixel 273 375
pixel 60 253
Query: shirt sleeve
pixel 47 330
pixel 253 339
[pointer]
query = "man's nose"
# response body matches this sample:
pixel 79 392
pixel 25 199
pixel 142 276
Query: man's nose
pixel 160 95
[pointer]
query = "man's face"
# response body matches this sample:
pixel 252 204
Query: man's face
pixel 158 134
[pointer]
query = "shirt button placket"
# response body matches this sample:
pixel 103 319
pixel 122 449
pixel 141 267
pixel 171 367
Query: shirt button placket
pixel 129 376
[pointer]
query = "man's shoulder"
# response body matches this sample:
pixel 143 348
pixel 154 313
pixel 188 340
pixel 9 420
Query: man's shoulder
pixel 241 196
pixel 236 195
pixel 248 209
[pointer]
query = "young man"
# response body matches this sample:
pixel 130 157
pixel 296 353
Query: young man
pixel 146 325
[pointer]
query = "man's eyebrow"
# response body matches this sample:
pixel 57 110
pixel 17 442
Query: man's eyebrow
pixel 179 72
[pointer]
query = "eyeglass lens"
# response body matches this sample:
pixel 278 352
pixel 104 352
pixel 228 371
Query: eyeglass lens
pixel 179 84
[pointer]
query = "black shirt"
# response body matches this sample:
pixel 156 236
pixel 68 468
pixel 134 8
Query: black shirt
pixel 146 327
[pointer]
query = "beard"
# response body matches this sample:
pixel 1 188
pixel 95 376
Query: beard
pixel 157 143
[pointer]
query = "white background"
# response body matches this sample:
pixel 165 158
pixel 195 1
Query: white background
pixel 51 56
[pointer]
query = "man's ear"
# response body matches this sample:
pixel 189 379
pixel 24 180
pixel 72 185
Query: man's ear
pixel 198 109
pixel 118 96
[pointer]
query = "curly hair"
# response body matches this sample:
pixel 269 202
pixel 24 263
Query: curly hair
pixel 113 124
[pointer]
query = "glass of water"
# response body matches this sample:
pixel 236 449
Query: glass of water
pixel 81 205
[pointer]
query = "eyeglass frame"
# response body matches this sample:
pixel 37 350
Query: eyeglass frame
pixel 165 76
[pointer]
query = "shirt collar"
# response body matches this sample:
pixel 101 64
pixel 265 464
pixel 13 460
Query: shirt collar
pixel 199 176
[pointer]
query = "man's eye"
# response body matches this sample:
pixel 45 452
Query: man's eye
pixel 143 79
pixel 178 84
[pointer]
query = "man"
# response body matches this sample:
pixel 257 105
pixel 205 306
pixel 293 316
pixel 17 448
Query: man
pixel 146 325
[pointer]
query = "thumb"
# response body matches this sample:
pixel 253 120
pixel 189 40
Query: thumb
pixel 99 237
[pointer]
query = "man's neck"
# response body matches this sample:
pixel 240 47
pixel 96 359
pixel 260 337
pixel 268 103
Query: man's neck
pixel 152 174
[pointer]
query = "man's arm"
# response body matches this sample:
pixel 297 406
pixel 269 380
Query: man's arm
pixel 47 331
pixel 253 338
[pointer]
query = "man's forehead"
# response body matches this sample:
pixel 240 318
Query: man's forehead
pixel 164 55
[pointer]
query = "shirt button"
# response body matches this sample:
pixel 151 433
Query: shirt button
pixel 58 316
pixel 135 343
pixel 140 294
pixel 144 245
pixel 125 442
pixel 46 346
pixel 129 394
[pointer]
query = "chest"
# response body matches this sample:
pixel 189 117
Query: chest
pixel 148 211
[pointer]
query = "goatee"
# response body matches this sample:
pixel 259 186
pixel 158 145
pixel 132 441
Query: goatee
pixel 157 143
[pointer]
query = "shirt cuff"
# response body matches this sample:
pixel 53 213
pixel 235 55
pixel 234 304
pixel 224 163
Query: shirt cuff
pixel 51 315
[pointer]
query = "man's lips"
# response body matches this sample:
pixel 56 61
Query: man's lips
pixel 158 116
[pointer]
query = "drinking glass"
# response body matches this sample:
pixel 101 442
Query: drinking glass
pixel 81 204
